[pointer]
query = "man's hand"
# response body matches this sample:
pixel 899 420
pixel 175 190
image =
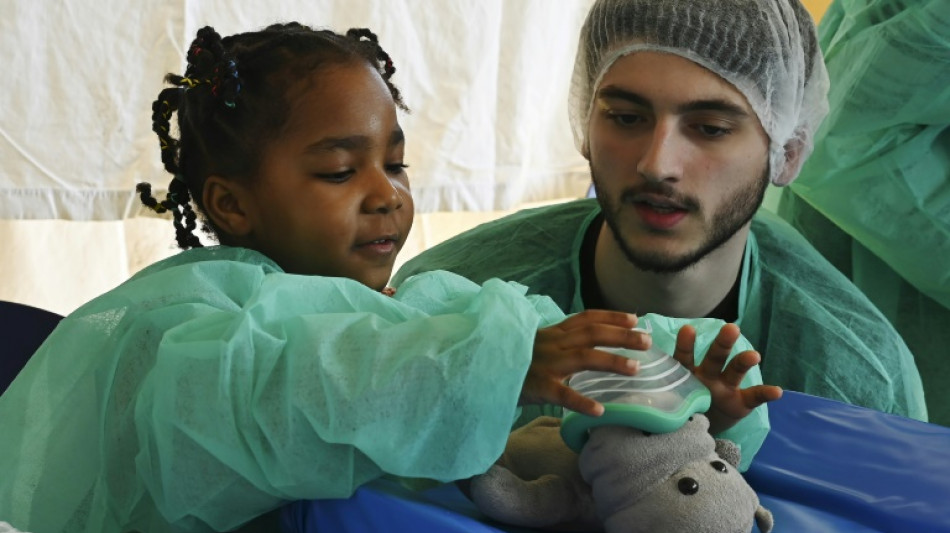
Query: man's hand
pixel 730 404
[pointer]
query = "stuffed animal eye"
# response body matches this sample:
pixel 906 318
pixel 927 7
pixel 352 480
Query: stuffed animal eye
pixel 688 486
pixel 719 466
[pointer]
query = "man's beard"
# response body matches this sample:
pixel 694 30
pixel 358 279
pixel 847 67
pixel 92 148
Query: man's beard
pixel 728 220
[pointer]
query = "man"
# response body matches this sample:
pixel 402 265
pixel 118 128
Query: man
pixel 686 111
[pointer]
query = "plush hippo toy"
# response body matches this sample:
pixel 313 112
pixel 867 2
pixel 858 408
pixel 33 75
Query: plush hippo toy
pixel 623 481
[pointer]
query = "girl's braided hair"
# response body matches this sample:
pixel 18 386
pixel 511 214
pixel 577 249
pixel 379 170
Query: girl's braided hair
pixel 231 100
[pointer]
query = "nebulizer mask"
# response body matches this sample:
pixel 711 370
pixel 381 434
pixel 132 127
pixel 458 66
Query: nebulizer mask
pixel 660 398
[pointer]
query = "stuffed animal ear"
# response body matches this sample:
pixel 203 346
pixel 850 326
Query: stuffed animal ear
pixel 728 451
pixel 763 519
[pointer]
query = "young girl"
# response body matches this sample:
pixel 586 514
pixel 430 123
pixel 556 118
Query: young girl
pixel 218 384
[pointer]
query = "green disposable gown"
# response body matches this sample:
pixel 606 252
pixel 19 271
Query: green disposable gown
pixel 212 387
pixel 816 331
pixel 874 198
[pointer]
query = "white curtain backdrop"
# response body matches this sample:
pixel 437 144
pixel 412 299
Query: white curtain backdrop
pixel 486 80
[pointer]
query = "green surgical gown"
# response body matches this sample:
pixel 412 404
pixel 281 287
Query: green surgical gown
pixel 874 198
pixel 212 387
pixel 816 331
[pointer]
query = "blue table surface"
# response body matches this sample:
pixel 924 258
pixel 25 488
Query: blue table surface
pixel 825 466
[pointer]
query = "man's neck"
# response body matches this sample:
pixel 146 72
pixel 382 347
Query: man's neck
pixel 708 288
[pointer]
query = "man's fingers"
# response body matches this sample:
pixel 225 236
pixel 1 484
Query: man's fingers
pixel 719 351
pixel 685 347
pixel 760 394
pixel 737 368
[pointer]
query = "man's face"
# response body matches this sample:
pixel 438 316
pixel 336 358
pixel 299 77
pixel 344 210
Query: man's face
pixel 678 157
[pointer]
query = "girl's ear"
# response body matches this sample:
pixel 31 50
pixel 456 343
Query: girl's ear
pixel 225 203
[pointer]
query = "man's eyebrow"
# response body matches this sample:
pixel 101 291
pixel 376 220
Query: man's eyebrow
pixel 715 104
pixel 718 105
pixel 616 93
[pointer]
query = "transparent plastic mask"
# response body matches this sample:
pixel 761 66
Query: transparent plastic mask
pixel 660 398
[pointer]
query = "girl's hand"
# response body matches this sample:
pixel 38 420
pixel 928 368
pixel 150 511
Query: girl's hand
pixel 730 404
pixel 568 347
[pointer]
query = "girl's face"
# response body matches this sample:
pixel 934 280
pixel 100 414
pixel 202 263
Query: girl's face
pixel 332 196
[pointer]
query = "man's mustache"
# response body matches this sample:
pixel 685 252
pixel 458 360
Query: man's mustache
pixel 634 194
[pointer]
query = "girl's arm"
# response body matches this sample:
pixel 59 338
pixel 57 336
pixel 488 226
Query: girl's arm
pixel 274 401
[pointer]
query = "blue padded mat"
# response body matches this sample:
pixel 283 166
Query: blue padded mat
pixel 825 466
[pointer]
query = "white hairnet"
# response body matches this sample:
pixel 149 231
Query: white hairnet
pixel 767 49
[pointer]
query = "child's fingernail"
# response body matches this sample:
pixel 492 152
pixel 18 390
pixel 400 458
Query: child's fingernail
pixel 633 364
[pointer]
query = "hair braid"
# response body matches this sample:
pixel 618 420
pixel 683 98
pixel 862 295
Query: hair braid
pixel 384 63
pixel 145 194
pixel 177 199
pixel 185 218
pixel 167 103
pixel 208 59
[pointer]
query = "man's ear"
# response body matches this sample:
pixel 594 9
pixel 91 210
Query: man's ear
pixel 225 203
pixel 795 154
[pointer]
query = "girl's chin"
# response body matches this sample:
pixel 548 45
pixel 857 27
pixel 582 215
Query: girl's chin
pixel 378 283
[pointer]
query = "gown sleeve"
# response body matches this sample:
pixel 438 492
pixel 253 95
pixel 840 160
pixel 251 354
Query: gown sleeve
pixel 278 399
